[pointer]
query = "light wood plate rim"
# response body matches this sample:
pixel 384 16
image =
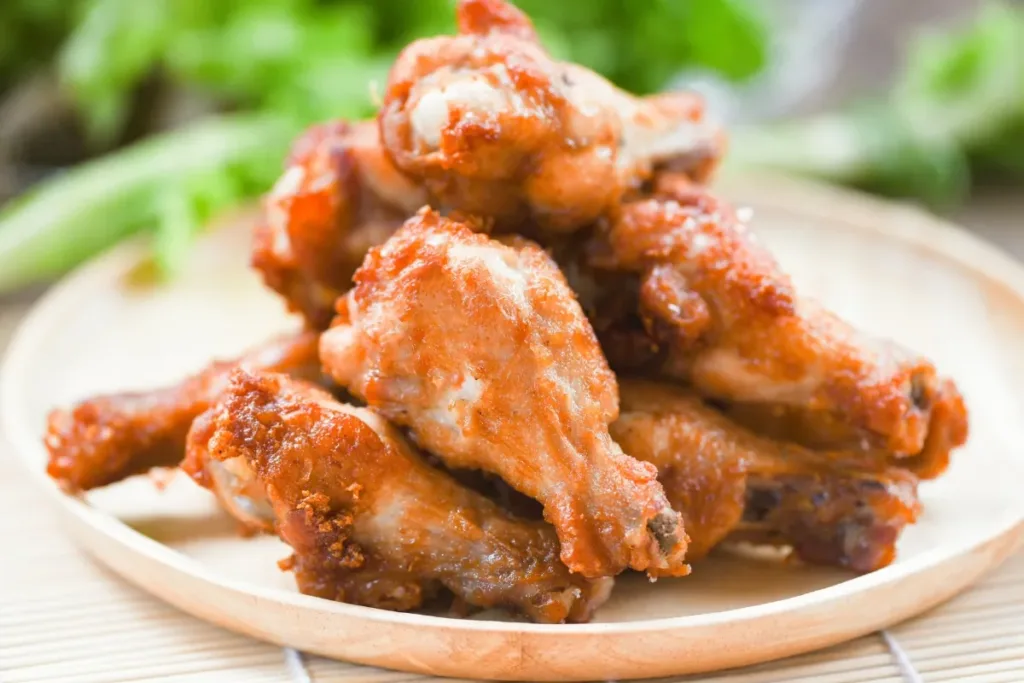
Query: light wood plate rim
pixel 891 221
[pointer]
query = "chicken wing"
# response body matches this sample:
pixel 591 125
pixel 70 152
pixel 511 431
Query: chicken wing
pixel 339 196
pixel 232 480
pixel 947 429
pixel 370 522
pixel 483 352
pixel 715 311
pixel 841 509
pixel 108 438
pixel 491 125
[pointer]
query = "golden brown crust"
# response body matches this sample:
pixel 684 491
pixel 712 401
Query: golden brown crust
pixel 490 124
pixel 483 352
pixel 792 429
pixel 482 17
pixel 107 438
pixel 714 310
pixel 339 196
pixel 844 509
pixel 371 523
pixel 232 481
pixel 947 430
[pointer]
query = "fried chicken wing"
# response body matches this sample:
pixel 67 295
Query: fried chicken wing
pixel 492 125
pixel 841 509
pixel 232 481
pixel 370 522
pixel 339 196
pixel 108 438
pixel 714 310
pixel 483 352
pixel 947 429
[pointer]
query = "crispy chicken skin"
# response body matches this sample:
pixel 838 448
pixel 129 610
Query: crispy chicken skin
pixel 840 509
pixel 483 352
pixel 714 310
pixel 570 358
pixel 339 196
pixel 370 522
pixel 491 125
pixel 232 481
pixel 108 438
pixel 947 430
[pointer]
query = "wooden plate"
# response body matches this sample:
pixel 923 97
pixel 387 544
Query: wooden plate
pixel 891 270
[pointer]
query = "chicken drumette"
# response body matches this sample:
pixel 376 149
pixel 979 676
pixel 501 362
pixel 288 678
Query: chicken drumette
pixel 490 124
pixel 842 509
pixel 676 286
pixel 108 438
pixel 564 162
pixel 339 196
pixel 483 352
pixel 370 522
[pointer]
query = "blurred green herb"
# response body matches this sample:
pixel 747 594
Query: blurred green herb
pixel 311 60
pixel 30 32
pixel 642 49
pixel 957 108
pixel 173 181
pixel 294 62
pixel 275 66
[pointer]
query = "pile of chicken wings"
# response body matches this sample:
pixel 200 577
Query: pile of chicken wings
pixel 537 351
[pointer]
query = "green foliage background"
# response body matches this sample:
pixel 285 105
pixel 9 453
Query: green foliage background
pixel 274 66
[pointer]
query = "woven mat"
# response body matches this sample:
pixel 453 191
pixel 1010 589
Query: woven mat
pixel 65 618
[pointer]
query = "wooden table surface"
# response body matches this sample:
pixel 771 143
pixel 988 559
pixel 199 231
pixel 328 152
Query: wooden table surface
pixel 65 618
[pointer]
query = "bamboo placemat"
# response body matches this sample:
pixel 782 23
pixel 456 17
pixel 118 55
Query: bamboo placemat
pixel 65 618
